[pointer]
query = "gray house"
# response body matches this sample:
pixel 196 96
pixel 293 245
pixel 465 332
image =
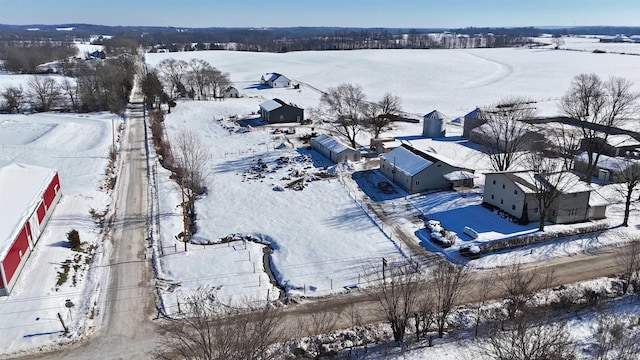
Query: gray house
pixel 416 171
pixel 277 111
pixel 334 150
pixel 275 80
pixel 515 191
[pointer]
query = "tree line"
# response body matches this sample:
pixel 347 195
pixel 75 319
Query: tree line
pixel 101 85
pixel 513 315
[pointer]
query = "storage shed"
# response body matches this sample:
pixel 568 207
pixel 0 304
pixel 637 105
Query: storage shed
pixel 33 193
pixel 277 111
pixel 334 150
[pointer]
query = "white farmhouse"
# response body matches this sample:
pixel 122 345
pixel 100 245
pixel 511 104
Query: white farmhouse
pixel 275 80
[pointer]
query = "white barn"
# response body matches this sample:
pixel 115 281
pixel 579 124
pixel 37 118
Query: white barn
pixel 334 150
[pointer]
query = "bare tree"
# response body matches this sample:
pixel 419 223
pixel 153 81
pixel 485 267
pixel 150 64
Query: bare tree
pixel 599 107
pixel 44 92
pixel 174 72
pixel 347 104
pixel 449 283
pixel 504 135
pixel 483 289
pixel 531 338
pixel 629 178
pixel 398 295
pixel 208 332
pixel 216 81
pixel 629 261
pixel 382 112
pixel 14 98
pixel 191 165
pixel 520 286
pixel 319 324
pixel 70 88
pixel 550 181
pixel 616 337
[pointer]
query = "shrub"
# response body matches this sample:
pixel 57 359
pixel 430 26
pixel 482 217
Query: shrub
pixel 74 239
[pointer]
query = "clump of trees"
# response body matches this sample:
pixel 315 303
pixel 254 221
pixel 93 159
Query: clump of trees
pixel 599 106
pixel 346 105
pixel 211 330
pixel 196 79
pixel 25 58
pixel 403 300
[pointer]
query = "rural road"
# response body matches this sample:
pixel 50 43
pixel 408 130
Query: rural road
pixel 128 331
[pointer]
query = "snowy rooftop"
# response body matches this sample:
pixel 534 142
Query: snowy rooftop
pixel 331 143
pixel 459 175
pixel 622 140
pixel 270 105
pixel 607 162
pixel 435 115
pixel 20 187
pixel 406 161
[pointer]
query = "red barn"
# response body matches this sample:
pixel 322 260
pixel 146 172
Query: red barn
pixel 28 195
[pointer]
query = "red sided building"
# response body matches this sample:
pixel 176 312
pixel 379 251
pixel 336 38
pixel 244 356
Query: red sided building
pixel 28 195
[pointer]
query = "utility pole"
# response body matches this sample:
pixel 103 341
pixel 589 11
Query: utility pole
pixel 185 234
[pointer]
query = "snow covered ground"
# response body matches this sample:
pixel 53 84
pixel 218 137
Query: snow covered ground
pixel 322 237
pixel 77 146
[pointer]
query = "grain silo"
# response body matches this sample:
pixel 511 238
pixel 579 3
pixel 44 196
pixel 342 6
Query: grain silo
pixel 433 125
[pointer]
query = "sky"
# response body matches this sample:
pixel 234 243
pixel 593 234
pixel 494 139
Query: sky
pixel 342 13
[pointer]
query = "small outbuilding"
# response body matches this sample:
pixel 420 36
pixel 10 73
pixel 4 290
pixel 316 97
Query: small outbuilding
pixel 277 111
pixel 334 150
pixel 231 92
pixel 275 80
pixel 28 195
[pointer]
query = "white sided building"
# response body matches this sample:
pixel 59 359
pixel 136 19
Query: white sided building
pixel 28 195
pixel 334 150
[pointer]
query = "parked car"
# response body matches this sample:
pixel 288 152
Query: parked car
pixel 386 187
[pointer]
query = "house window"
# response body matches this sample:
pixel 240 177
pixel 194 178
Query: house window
pixel 501 201
pixel 513 207
pixel 535 210
pixel 515 192
pixel 417 182
pixel 492 196
pixel 494 182
pixel 281 117
pixel 503 186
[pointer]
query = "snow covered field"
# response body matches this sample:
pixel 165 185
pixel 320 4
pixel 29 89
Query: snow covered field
pixel 321 237
pixel 77 146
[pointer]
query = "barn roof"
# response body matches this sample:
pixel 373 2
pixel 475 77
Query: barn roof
pixel 21 187
pixel 271 105
pixel 406 161
pixel 331 144
pixel 276 103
